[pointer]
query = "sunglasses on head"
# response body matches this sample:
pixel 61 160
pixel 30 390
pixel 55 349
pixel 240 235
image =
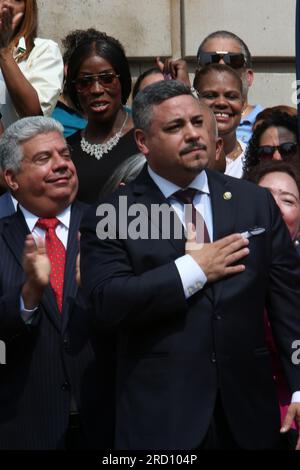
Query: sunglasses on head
pixel 106 79
pixel 286 150
pixel 234 60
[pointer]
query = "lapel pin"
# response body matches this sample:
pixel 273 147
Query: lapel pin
pixel 227 196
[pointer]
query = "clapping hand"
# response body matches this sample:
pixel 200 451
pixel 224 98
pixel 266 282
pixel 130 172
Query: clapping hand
pixel 37 267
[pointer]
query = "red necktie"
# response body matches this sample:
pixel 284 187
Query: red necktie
pixel 187 197
pixel 57 255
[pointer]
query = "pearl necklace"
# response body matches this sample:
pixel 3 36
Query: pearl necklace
pixel 98 150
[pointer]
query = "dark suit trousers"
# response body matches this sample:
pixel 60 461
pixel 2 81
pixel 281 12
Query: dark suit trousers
pixel 219 435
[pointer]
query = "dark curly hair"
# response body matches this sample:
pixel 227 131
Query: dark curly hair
pixel 276 119
pixel 99 43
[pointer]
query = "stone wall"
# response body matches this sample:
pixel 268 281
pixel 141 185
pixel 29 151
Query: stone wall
pixel 148 28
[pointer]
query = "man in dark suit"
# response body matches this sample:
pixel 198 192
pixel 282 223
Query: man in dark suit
pixel 6 205
pixel 52 389
pixel 193 367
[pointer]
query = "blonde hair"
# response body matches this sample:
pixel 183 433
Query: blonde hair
pixel 27 29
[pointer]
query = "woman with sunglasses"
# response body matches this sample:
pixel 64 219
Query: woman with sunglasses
pixel 31 69
pixel 221 89
pixel 283 180
pixel 99 84
pixel 276 138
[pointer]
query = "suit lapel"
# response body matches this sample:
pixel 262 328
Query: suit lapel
pixel 223 203
pixel 148 194
pixel 14 234
pixel 70 285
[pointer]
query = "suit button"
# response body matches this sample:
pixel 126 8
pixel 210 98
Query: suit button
pixel 213 358
pixel 65 386
pixel 218 317
pixel 66 344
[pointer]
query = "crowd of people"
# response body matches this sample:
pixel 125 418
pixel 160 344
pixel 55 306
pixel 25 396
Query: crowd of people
pixel 124 327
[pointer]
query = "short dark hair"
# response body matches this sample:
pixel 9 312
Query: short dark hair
pixel 264 168
pixel 227 35
pixel 219 68
pixel 146 73
pixel 275 119
pixel 105 46
pixel 152 95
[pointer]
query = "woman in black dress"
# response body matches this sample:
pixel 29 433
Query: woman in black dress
pixel 99 84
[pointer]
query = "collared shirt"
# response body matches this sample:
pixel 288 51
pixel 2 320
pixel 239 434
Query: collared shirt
pixel 62 231
pixel 244 130
pixel 192 276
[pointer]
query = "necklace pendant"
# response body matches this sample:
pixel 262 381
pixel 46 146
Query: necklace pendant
pixel 98 150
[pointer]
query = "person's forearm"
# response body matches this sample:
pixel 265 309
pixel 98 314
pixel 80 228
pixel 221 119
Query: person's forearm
pixel 31 295
pixel 23 95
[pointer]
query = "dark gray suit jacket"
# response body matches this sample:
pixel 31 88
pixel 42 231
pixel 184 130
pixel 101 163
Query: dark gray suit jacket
pixel 6 205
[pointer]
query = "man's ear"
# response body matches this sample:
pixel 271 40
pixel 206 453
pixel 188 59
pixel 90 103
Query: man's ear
pixel 10 180
pixel 250 77
pixel 219 148
pixel 141 141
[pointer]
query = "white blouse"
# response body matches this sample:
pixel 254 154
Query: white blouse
pixel 44 70
pixel 235 167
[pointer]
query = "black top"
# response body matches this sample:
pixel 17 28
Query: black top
pixel 93 173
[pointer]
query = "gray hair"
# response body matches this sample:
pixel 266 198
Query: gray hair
pixel 126 172
pixel 11 152
pixel 154 94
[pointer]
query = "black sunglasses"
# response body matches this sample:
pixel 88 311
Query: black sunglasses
pixel 107 80
pixel 286 150
pixel 234 60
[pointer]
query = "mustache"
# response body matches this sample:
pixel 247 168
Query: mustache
pixel 193 146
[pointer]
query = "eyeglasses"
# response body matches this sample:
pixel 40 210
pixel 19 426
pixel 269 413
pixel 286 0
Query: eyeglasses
pixel 286 150
pixel 108 80
pixel 234 60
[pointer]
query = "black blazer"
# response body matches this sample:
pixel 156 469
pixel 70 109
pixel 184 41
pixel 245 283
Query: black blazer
pixel 55 357
pixel 175 354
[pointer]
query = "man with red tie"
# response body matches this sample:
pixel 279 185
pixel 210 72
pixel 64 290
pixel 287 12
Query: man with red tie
pixel 193 366
pixel 51 389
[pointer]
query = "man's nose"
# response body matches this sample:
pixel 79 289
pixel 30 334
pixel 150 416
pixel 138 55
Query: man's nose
pixel 192 132
pixel 59 162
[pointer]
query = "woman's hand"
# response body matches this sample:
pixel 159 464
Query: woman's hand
pixel 8 22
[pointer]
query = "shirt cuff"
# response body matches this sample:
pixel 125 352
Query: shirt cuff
pixel 192 277
pixel 296 397
pixel 27 315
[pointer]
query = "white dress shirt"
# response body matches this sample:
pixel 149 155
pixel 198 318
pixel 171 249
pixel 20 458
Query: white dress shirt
pixel 192 276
